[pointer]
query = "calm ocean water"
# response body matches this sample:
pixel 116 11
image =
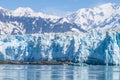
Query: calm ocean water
pixel 58 72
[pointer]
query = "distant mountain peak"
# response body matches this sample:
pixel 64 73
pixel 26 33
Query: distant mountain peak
pixel 22 9
pixel 28 12
pixel 4 11
pixel 2 8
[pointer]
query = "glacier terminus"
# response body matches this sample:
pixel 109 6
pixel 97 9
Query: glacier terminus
pixel 89 35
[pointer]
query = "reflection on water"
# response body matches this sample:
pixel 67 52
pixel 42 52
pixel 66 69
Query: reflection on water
pixel 58 72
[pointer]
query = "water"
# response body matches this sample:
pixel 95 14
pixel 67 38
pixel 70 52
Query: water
pixel 58 72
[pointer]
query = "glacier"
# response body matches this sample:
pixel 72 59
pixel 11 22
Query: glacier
pixel 89 35
pixel 93 48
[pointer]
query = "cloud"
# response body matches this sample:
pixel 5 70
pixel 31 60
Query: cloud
pixel 57 12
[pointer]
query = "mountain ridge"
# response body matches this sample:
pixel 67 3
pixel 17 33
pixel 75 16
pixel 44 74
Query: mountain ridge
pixel 83 20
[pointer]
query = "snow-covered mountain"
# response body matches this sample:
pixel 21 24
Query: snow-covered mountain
pixel 27 21
pixel 94 17
pixel 90 35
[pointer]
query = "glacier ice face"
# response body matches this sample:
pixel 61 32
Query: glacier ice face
pixel 93 48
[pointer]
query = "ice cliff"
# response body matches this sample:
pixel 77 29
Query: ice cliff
pixel 93 48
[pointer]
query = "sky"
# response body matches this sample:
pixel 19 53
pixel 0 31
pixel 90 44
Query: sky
pixel 54 7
